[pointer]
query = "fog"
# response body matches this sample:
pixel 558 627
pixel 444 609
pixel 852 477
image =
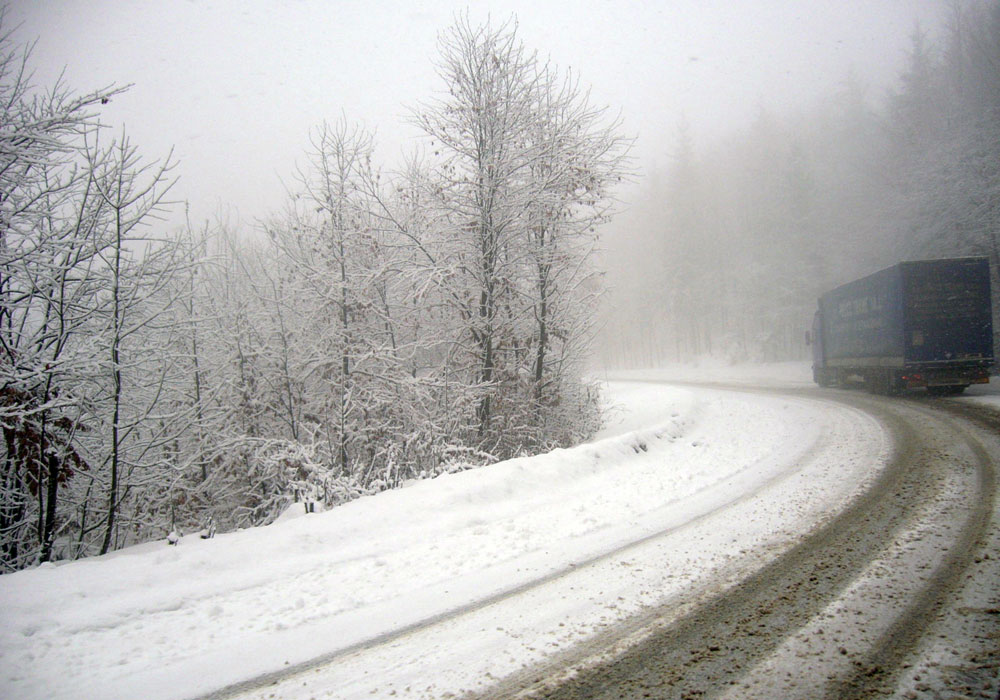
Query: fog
pixel 235 87
pixel 384 260
pixel 765 166
pixel 726 249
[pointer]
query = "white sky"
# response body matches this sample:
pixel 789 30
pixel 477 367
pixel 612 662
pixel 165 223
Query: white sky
pixel 235 86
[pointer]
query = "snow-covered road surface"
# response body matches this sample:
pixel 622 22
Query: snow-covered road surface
pixel 895 596
pixel 536 554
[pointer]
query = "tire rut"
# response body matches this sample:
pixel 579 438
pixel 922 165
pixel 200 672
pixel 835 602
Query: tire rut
pixel 709 649
pixel 271 678
pixel 876 675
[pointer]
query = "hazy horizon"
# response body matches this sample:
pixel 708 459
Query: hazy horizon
pixel 235 88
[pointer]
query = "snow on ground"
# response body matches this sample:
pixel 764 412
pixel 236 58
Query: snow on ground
pixel 776 374
pixel 708 369
pixel 157 621
pixel 988 394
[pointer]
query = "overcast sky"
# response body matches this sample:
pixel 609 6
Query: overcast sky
pixel 234 86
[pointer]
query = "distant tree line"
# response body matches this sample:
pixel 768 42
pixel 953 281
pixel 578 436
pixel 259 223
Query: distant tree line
pixel 732 245
pixel 387 326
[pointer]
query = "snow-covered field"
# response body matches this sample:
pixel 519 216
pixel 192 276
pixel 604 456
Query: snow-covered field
pixel 159 621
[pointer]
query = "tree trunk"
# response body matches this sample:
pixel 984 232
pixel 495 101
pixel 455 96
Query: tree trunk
pixel 12 510
pixel 116 398
pixel 52 492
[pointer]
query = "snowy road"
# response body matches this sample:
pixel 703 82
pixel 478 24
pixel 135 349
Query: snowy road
pixel 497 580
pixel 895 596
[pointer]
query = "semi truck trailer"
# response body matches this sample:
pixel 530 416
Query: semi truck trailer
pixel 924 323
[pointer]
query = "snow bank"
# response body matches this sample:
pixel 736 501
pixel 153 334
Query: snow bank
pixel 988 394
pixel 797 373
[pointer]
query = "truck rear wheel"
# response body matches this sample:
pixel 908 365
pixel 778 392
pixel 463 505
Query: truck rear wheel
pixel 823 377
pixel 953 390
pixel 841 380
pixel 884 382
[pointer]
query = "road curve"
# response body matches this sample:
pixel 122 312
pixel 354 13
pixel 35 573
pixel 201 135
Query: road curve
pixel 856 609
pixel 733 491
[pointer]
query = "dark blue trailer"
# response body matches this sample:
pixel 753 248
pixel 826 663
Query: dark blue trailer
pixel 925 323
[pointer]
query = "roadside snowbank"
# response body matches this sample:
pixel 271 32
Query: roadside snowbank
pixel 798 373
pixel 170 622
pixel 776 374
pixel 987 394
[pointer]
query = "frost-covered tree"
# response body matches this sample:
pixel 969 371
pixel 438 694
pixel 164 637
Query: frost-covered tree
pixel 77 288
pixel 581 158
pixel 385 329
pixel 136 272
pixel 49 247
pixel 243 383
pixel 523 169
pixel 339 269
pixel 332 245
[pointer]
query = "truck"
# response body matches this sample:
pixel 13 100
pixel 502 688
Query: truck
pixel 921 323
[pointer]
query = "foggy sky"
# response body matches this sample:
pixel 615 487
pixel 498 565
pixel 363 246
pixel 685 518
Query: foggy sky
pixel 235 87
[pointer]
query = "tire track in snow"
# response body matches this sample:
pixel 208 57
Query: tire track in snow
pixel 713 647
pixel 877 672
pixel 818 447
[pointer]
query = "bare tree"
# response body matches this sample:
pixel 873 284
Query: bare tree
pixel 342 268
pixel 524 170
pixel 49 215
pixel 136 276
